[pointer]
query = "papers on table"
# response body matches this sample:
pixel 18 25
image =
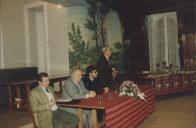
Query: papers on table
pixel 64 100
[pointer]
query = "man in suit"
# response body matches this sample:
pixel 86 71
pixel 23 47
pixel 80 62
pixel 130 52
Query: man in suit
pixel 91 82
pixel 116 80
pixel 104 67
pixel 44 108
pixel 74 89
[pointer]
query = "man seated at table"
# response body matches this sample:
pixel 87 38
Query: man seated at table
pixel 44 108
pixel 91 82
pixel 74 89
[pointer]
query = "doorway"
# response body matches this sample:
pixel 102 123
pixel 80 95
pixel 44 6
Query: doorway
pixel 36 36
pixel 41 49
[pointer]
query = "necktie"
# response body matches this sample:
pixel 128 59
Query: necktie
pixel 78 88
pixel 109 62
pixel 47 90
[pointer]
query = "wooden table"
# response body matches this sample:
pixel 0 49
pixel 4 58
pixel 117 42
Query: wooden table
pixel 18 84
pixel 116 108
pixel 84 104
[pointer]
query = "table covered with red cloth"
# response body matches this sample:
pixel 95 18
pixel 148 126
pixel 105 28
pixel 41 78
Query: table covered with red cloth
pixel 121 111
pixel 128 112
pixel 171 83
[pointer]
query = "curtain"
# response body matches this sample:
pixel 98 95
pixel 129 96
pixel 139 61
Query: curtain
pixel 163 39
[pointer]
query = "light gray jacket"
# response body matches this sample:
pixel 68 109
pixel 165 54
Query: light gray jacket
pixel 72 91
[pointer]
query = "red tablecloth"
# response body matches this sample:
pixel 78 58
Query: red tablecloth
pixel 122 111
pixel 172 83
pixel 130 112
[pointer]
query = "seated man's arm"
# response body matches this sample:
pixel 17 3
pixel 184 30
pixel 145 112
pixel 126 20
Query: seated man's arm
pixel 83 88
pixel 71 92
pixel 35 105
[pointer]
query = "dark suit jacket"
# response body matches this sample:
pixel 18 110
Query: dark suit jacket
pixel 116 82
pixel 92 85
pixel 104 69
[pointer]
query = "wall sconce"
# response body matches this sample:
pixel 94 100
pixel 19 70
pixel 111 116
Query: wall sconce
pixel 183 38
pixel 59 4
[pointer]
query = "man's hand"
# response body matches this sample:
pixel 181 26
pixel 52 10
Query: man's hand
pixel 51 103
pixel 106 89
pixel 92 94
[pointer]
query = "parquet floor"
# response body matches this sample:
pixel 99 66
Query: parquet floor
pixel 175 112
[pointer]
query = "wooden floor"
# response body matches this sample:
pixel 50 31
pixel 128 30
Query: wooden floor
pixel 173 112
pixel 20 120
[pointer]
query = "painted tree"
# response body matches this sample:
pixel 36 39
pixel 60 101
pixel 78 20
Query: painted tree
pixel 78 54
pixel 117 56
pixel 95 23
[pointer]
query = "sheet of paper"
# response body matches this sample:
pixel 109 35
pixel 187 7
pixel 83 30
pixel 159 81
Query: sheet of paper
pixel 64 100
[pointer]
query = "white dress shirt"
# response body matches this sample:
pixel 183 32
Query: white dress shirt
pixel 107 58
pixel 50 97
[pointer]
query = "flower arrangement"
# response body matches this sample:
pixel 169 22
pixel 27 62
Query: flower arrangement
pixel 129 88
pixel 164 69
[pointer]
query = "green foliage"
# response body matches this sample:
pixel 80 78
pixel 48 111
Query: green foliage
pixel 117 57
pixel 81 55
pixel 93 57
pixel 95 23
pixel 78 55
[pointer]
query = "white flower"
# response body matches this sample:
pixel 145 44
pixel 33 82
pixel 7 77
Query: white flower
pixel 122 93
pixel 159 86
pixel 130 88
pixel 134 85
pixel 141 96
pixel 167 85
pixel 130 94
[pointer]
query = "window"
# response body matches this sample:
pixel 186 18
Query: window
pixel 163 39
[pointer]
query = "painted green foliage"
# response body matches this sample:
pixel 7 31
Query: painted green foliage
pixel 81 55
pixel 117 56
pixel 95 22
pixel 78 55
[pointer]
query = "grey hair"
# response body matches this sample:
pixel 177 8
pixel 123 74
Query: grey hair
pixel 104 49
pixel 74 69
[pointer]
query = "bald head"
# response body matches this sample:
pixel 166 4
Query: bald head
pixel 76 74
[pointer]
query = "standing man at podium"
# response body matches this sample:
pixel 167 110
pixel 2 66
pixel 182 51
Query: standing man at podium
pixel 104 67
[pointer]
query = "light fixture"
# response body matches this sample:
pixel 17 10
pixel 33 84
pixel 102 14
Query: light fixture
pixel 59 4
